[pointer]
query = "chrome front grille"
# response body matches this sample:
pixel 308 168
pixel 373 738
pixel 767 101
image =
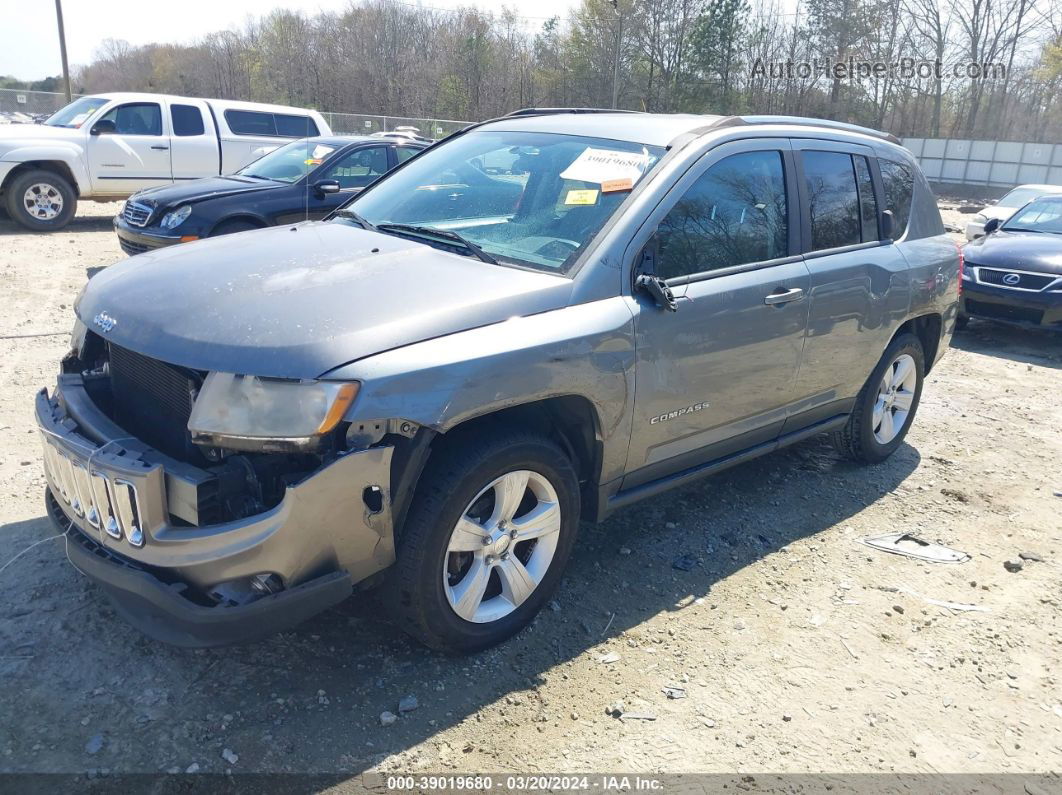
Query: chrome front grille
pixel 1030 281
pixel 137 213
pixel 110 505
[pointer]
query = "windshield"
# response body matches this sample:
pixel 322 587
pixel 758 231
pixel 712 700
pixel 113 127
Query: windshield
pixel 1019 196
pixel 530 199
pixel 1043 215
pixel 290 162
pixel 77 112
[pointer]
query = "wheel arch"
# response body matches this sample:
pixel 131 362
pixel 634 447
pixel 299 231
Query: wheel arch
pixel 258 221
pixel 928 329
pixel 569 420
pixel 57 167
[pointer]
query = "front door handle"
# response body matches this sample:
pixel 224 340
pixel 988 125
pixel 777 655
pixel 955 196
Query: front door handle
pixel 782 296
pixel 160 148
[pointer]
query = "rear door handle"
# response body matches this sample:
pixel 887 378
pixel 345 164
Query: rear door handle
pixel 160 148
pixel 784 296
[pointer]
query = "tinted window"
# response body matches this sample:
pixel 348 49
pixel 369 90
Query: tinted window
pixel 187 120
pixel 405 152
pixel 735 213
pixel 249 122
pixel 359 168
pixel 136 118
pixel 295 126
pixel 898 181
pixel 868 205
pixel 832 199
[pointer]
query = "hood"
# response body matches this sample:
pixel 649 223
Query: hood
pixel 12 135
pixel 197 190
pixel 1033 251
pixel 995 211
pixel 298 301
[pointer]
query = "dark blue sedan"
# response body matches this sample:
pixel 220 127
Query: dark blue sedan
pixel 1014 272
pixel 303 180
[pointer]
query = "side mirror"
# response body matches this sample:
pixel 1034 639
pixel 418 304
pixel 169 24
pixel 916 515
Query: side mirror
pixel 888 225
pixel 326 186
pixel 646 280
pixel 103 127
pixel 991 225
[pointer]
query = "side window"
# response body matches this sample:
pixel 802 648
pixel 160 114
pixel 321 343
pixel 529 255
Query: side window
pixel 898 182
pixel 405 152
pixel 359 168
pixel 868 205
pixel 249 122
pixel 833 200
pixel 735 213
pixel 136 118
pixel 295 126
pixel 187 120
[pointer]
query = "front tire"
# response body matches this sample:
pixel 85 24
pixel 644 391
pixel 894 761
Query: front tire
pixel 488 535
pixel 41 201
pixel 886 405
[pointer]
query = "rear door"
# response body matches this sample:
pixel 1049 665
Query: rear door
pixel 717 375
pixel 195 150
pixel 131 150
pixel 860 286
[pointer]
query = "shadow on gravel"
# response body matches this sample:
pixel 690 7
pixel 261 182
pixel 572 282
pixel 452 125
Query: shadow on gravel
pixel 309 701
pixel 1029 345
pixel 89 223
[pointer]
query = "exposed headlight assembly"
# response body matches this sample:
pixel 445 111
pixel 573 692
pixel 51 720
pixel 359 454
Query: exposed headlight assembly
pixel 244 412
pixel 175 218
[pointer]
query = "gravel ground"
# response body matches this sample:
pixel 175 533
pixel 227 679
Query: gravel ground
pixel 797 649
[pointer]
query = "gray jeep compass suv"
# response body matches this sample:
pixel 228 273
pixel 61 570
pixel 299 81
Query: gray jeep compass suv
pixel 539 320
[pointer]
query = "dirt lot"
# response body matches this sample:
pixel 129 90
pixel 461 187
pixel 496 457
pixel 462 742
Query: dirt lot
pixel 798 648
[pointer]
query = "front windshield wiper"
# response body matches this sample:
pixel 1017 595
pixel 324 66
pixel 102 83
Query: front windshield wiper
pixel 353 216
pixel 445 234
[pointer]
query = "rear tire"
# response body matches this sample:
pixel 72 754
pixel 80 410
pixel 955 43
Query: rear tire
pixel 961 322
pixel 464 580
pixel 41 201
pixel 886 405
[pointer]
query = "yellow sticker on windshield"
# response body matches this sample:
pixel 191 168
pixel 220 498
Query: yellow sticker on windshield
pixel 581 197
pixel 311 161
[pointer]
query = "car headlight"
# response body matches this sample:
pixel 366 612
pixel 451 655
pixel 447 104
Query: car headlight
pixel 175 218
pixel 246 412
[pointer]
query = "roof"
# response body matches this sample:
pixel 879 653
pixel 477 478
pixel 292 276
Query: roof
pixel 223 103
pixel 1044 188
pixel 661 129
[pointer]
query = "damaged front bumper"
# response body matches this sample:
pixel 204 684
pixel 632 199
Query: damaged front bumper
pixel 123 503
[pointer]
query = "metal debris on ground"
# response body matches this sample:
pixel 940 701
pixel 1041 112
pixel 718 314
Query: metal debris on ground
pixel 684 563
pixel 611 657
pixel 673 692
pixel 912 547
pixel 637 716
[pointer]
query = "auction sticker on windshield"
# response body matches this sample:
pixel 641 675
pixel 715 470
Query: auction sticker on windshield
pixel 581 197
pixel 607 166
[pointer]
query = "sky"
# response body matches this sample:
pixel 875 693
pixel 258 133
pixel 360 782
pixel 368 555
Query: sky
pixel 29 42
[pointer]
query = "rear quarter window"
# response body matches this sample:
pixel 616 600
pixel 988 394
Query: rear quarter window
pixel 249 122
pixel 898 183
pixel 295 126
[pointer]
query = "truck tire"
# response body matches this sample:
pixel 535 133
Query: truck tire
pixel 486 540
pixel 41 201
pixel 886 405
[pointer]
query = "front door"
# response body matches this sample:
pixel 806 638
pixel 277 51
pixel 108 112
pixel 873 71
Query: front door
pixel 717 375
pixel 129 149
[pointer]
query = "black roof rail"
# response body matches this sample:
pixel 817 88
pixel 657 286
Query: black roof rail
pixel 549 111
pixel 807 122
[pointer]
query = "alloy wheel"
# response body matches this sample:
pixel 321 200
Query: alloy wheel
pixel 43 201
pixel 502 546
pixel 892 406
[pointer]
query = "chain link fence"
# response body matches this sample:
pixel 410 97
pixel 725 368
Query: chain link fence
pixel 36 103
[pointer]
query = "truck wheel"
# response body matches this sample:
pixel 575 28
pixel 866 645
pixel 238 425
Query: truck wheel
pixel 40 200
pixel 886 405
pixel 486 540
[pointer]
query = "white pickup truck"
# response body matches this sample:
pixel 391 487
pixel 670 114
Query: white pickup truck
pixel 109 146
